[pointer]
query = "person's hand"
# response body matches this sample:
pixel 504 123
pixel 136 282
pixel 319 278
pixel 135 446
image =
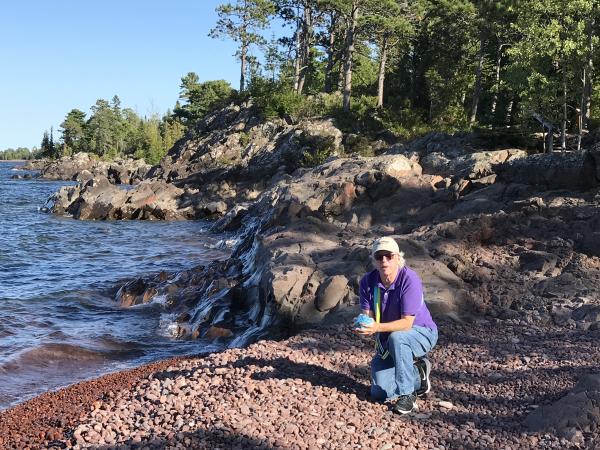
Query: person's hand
pixel 368 329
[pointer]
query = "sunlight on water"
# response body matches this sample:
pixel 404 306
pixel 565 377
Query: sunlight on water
pixel 57 325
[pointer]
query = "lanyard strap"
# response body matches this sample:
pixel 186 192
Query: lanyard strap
pixel 383 353
pixel 377 301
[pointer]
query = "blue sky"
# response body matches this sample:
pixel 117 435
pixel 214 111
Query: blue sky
pixel 64 54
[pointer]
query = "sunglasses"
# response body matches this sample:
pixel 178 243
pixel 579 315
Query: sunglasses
pixel 387 255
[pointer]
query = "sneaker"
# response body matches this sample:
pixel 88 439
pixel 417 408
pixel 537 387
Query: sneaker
pixel 405 404
pixel 424 368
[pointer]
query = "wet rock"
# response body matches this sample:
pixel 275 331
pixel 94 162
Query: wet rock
pixel 216 332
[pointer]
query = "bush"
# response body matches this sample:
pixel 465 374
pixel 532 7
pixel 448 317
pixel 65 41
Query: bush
pixel 407 123
pixel 275 99
pixel 244 139
pixel 360 145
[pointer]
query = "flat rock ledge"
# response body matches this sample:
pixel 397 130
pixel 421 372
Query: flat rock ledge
pixel 311 392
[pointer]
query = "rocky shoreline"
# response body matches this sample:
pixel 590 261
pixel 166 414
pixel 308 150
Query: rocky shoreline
pixel 507 245
pixel 310 391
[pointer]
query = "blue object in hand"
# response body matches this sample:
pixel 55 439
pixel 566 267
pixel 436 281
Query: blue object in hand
pixel 362 320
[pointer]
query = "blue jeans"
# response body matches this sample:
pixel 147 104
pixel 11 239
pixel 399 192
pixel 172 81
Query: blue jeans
pixel 397 375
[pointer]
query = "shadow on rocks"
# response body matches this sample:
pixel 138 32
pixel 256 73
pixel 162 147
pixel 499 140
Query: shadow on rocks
pixel 284 368
pixel 219 438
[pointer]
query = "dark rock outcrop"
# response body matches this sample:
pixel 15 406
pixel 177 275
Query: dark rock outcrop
pixel 98 199
pixel 577 411
pixel 83 167
pixel 487 229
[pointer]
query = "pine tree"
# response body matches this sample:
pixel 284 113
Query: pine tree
pixel 72 130
pixel 242 22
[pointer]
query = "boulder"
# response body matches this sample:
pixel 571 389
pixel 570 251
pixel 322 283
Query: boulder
pixel 135 292
pixel 471 166
pixel 331 292
pixel 98 199
pixel 557 170
pixel 579 409
pixel 83 166
pixel 587 313
pixel 537 261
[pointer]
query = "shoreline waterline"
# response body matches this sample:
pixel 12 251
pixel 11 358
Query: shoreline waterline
pixel 58 323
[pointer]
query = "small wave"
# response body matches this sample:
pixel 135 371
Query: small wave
pixel 52 354
pixel 168 326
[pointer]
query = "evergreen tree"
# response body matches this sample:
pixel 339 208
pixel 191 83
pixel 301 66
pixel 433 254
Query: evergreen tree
pixel 242 21
pixel 200 98
pixel 73 130
pixel 386 24
pixel 47 146
pixel 550 58
pixel 102 130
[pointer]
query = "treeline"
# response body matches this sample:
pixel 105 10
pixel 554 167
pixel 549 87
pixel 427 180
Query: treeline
pixel 112 131
pixel 415 65
pixel 19 153
pixel 409 67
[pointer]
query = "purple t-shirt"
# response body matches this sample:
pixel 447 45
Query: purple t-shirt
pixel 403 298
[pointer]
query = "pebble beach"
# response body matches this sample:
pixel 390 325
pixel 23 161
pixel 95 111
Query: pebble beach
pixel 311 392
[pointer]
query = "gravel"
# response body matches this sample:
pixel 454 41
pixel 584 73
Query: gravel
pixel 311 392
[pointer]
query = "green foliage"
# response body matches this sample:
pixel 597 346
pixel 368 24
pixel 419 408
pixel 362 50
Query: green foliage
pixel 274 99
pixel 48 148
pixel 244 139
pixel 362 116
pixel 72 131
pixel 359 144
pixel 406 123
pixel 200 98
pixel 314 158
pixel 314 150
pixel 449 65
pixel 242 21
pixel 18 153
pixel 112 132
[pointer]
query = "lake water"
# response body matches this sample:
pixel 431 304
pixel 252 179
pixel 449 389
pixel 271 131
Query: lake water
pixel 57 325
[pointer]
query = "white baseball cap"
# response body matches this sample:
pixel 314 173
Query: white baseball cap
pixel 387 244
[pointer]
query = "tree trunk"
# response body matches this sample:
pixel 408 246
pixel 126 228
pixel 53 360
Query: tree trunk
pixel 349 51
pixel 244 51
pixel 509 107
pixel 580 117
pixel 305 45
pixel 477 88
pixel 587 79
pixel 297 60
pixel 497 82
pixel 243 60
pixel 413 76
pixel 381 78
pixel 563 131
pixel 330 55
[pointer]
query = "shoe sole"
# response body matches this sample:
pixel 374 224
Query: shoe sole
pixel 403 411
